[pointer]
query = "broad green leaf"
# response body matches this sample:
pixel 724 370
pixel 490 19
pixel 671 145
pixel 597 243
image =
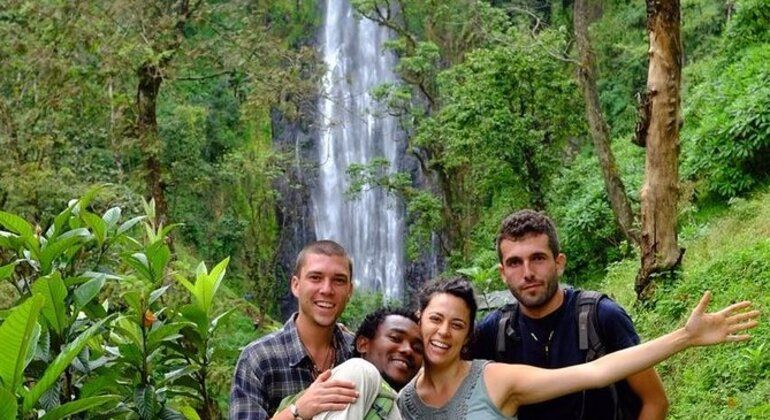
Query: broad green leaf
pixel 138 261
pixel 59 364
pixel 111 217
pixel 16 339
pixel 78 406
pixel 158 255
pixel 52 289
pixel 208 284
pixel 130 330
pixel 125 226
pixel 189 413
pixel 16 224
pixel 215 322
pixel 6 271
pixel 56 247
pixel 165 332
pixel 178 373
pixel 32 350
pixel 8 406
pixel 187 285
pixel 84 201
pixel 157 293
pixel 88 290
pixel 59 222
pixel 195 314
pixel 145 402
pixel 97 225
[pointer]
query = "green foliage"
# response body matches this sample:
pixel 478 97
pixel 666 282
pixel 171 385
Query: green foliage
pixel 731 259
pixel 727 135
pixel 578 203
pixel 359 305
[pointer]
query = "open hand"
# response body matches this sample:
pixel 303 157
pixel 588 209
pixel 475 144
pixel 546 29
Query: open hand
pixel 713 328
pixel 326 394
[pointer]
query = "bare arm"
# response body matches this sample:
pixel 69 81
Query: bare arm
pixel 324 394
pixel 513 385
pixel 648 387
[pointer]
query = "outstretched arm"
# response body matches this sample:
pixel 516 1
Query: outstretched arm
pixel 513 385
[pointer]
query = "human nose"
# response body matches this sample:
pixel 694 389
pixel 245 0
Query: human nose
pixel 528 274
pixel 326 287
pixel 443 329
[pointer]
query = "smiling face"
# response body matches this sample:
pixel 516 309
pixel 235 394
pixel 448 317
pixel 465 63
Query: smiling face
pixel 396 350
pixel 531 271
pixel 322 288
pixel 445 327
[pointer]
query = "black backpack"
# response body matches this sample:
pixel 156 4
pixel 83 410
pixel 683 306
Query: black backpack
pixel 627 404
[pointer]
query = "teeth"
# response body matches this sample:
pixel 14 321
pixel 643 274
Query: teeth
pixel 439 344
pixel 324 304
pixel 401 362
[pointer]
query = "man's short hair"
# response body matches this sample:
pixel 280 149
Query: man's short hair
pixel 322 247
pixel 371 322
pixel 524 223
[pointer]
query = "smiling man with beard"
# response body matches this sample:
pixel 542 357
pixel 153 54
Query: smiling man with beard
pixel 554 327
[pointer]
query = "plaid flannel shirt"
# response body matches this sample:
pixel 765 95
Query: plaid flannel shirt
pixel 275 366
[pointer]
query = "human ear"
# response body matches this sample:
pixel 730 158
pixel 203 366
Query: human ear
pixel 295 286
pixel 362 345
pixel 561 262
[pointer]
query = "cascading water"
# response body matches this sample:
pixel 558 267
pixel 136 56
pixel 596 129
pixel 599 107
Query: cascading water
pixel 370 227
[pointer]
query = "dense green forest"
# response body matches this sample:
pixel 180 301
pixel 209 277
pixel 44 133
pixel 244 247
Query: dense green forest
pixel 137 141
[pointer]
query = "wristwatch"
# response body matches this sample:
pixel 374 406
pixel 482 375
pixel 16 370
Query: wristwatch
pixel 295 412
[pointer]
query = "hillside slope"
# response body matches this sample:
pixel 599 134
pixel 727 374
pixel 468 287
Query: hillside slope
pixel 728 252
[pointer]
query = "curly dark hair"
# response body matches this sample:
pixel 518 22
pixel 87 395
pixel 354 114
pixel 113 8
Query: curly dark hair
pixel 457 286
pixel 527 222
pixel 372 321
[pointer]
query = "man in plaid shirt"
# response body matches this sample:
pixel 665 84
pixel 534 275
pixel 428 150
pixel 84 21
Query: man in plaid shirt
pixel 300 355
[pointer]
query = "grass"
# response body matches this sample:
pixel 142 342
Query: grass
pixel 729 255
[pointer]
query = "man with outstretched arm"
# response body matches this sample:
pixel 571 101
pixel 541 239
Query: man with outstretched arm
pixel 553 327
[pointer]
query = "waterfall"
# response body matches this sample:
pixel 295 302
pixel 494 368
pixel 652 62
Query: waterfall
pixel 370 227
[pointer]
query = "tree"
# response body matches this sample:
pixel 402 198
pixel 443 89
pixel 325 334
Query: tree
pixel 600 131
pixel 659 132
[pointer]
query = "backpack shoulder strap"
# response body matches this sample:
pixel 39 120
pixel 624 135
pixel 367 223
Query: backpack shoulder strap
pixel 588 323
pixel 507 329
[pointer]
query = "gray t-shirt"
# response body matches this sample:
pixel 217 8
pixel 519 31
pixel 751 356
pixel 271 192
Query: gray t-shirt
pixel 471 401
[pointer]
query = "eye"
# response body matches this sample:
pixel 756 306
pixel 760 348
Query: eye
pixel 394 338
pixel 513 262
pixel 435 318
pixel 458 325
pixel 340 281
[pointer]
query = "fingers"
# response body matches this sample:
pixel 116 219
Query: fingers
pixel 323 376
pixel 743 326
pixel 743 316
pixel 738 337
pixel 704 303
pixel 735 307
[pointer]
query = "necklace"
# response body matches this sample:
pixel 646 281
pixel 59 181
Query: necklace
pixel 316 368
pixel 547 345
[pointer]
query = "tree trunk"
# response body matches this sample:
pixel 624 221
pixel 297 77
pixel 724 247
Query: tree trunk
pixel 600 132
pixel 150 78
pixel 660 252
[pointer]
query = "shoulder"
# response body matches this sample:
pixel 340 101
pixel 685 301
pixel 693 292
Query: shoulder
pixel 615 324
pixel 265 348
pixel 490 321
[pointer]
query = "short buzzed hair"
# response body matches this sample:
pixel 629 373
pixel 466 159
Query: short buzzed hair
pixel 524 223
pixel 372 322
pixel 322 247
